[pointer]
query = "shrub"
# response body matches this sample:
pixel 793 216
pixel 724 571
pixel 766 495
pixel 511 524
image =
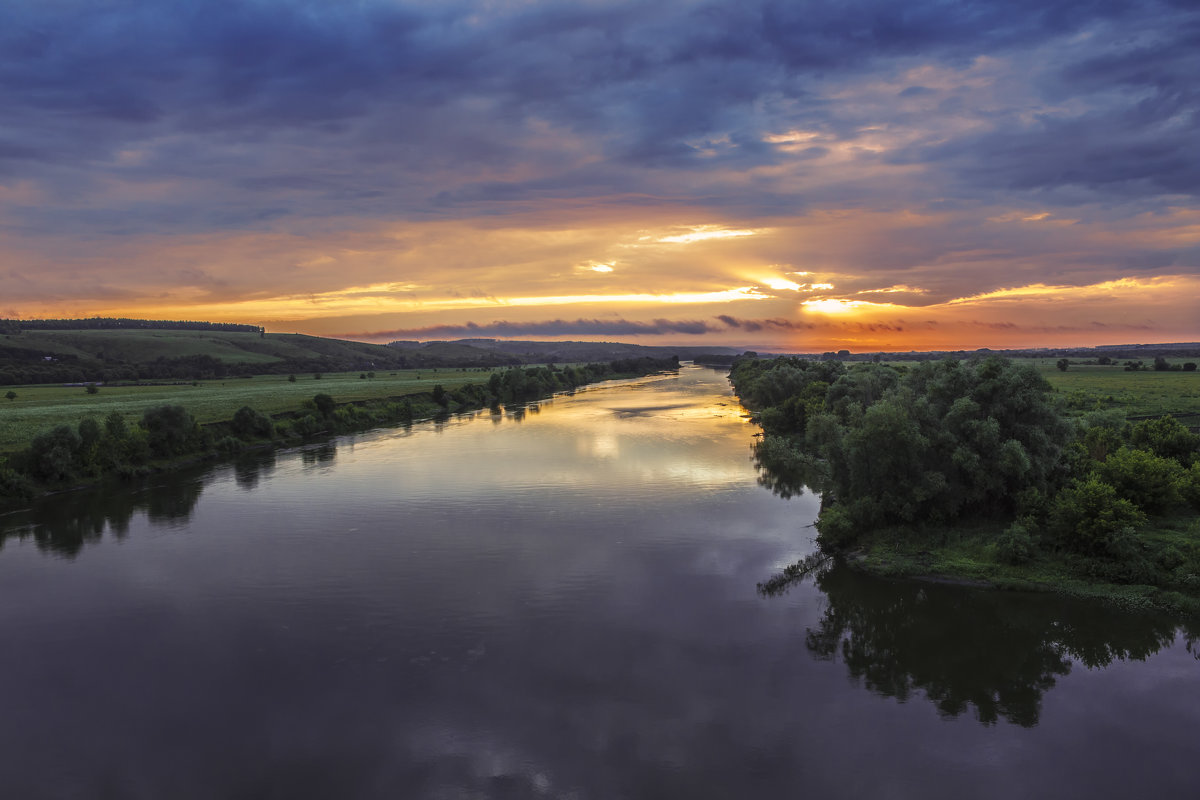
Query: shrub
pixel 1015 545
pixel 15 486
pixel 170 431
pixel 1166 437
pixel 250 424
pixel 308 425
pixel 1089 517
pixel 835 528
pixel 53 456
pixel 1142 477
pixel 229 445
pixel 1188 486
pixel 324 404
pixel 115 427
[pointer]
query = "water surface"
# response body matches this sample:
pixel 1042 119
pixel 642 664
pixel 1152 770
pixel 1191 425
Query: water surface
pixel 552 602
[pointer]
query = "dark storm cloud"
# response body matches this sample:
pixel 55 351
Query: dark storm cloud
pixel 375 108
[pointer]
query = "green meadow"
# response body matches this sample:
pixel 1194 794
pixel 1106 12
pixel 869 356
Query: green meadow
pixel 39 408
pixel 1139 393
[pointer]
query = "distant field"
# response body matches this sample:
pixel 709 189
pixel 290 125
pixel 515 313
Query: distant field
pixel 1140 393
pixel 38 408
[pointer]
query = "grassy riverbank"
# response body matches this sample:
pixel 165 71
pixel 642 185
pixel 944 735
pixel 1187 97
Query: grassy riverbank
pixel 39 408
pixel 967 554
pixel 100 445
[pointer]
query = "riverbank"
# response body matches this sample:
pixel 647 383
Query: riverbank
pixel 169 437
pixel 967 556
pixel 977 472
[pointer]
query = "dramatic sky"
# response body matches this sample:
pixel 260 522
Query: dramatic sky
pixel 861 174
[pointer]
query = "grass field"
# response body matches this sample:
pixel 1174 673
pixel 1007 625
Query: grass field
pixel 1140 393
pixel 38 408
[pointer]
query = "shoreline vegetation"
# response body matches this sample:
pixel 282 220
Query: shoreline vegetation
pixel 168 437
pixel 977 472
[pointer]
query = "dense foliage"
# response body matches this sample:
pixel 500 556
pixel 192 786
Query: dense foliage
pixel 899 450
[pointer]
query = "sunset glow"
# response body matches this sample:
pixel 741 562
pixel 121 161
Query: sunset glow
pixel 756 176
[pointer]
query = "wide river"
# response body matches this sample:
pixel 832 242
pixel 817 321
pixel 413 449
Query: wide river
pixel 557 602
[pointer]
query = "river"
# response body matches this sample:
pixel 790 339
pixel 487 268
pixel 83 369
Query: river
pixel 558 601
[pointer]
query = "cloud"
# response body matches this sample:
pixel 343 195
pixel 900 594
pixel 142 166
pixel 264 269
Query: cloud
pixel 555 327
pixel 490 148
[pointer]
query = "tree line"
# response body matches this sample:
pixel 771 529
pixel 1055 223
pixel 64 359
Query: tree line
pixel 68 455
pixel 14 326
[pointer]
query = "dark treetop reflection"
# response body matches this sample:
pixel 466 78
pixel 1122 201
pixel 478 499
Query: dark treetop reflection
pixel 996 653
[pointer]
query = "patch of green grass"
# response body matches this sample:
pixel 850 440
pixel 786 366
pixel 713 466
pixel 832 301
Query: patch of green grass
pixel 966 555
pixel 39 408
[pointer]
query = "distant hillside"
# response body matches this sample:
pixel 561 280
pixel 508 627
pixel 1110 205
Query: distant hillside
pixel 120 323
pixel 124 354
pixel 534 352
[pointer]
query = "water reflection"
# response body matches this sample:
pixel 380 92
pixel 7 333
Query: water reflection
pixel 993 653
pixel 251 467
pixel 321 455
pixel 62 525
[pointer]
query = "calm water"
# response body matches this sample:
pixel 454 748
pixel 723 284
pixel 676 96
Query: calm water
pixel 560 603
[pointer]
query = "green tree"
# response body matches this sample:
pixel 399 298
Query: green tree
pixel 171 430
pixel 53 456
pixel 1166 437
pixel 11 395
pixel 324 404
pixel 250 424
pixel 115 427
pixel 1062 364
pixel 1089 517
pixel 1147 480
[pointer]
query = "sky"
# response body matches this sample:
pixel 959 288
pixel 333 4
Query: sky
pixel 797 176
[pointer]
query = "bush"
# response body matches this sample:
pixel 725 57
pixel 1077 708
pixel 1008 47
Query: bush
pixel 171 431
pixel 308 425
pixel 250 424
pixel 15 486
pixel 1090 518
pixel 1015 545
pixel 1166 437
pixel 53 456
pixel 229 446
pixel 835 528
pixel 1188 486
pixel 324 404
pixel 1141 477
pixel 115 427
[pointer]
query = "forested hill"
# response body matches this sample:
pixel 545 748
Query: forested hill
pixel 124 354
